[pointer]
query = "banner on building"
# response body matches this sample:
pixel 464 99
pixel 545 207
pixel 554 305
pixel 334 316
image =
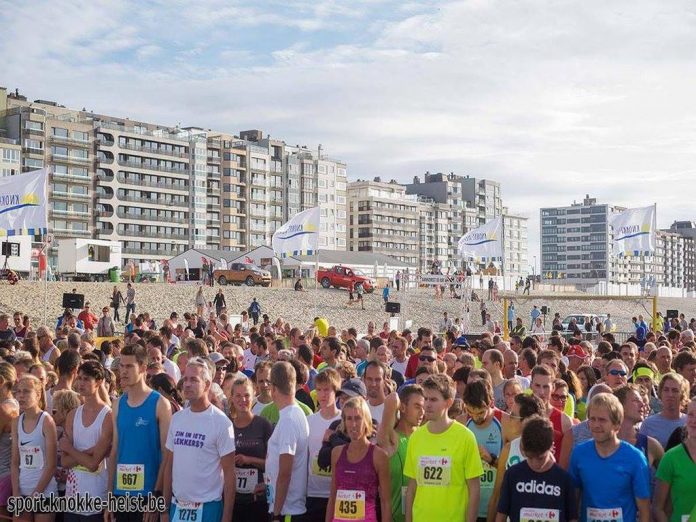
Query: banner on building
pixel 23 204
pixel 483 243
pixel 299 236
pixel 634 231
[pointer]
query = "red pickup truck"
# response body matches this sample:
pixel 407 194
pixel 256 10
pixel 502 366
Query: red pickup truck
pixel 344 277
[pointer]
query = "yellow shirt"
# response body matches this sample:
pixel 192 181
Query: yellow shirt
pixel 323 326
pixel 441 464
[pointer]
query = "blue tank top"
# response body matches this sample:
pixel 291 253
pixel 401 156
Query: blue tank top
pixel 139 451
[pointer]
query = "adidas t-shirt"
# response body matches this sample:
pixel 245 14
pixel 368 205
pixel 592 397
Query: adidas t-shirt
pixel 526 494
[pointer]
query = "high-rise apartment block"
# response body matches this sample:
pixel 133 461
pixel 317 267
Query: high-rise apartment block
pixel 421 223
pixel 576 246
pixel 687 231
pixel 160 190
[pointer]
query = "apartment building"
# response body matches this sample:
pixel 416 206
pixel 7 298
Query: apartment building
pixel 484 196
pixel 668 264
pixel 160 190
pixel 515 244
pixel 384 220
pixel 10 157
pixel 687 230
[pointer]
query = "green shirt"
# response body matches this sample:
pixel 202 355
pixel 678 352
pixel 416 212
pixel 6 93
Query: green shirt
pixel 679 471
pixel 398 481
pixel 271 413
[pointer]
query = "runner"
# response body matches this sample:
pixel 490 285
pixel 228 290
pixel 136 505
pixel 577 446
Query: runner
pixel 442 461
pixel 326 384
pixel 611 474
pixel 286 460
pixel 9 410
pixel 262 385
pixel 360 470
pixel 33 445
pixel 537 488
pixel 251 434
pixel 141 421
pixel 676 477
pixel 409 404
pixel 86 442
pixel 673 392
pixel 542 382
pixel 199 475
pixel 478 401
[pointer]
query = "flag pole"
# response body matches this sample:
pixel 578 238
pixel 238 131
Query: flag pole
pixel 502 251
pixel 45 249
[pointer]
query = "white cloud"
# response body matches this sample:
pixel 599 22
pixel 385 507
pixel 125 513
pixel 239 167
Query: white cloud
pixel 554 99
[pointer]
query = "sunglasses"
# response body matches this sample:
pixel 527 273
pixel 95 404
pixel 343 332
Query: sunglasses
pixel 618 372
pixel 424 358
pixel 559 398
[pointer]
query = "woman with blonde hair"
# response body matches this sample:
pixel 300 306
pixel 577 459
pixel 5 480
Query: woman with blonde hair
pixel 251 434
pixel 9 410
pixel 34 444
pixel 360 470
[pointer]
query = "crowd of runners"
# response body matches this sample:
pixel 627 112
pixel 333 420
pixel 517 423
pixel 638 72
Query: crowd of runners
pixel 264 420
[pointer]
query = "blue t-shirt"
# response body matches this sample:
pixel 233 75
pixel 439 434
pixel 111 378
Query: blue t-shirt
pixel 610 484
pixel 524 488
pixel 535 313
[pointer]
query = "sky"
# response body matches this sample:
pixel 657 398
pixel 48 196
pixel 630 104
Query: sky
pixel 554 99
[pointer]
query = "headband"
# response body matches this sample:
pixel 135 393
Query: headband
pixel 643 372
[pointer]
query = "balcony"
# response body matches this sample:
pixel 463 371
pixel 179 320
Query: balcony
pixel 60 158
pixel 154 201
pixel 214 159
pixel 138 165
pixel 33 150
pixel 69 141
pixel 70 213
pixel 70 195
pixel 151 150
pixel 148 218
pixel 153 184
pixel 71 177
pixel 104 213
pixel 69 232
pixel 152 251
pixel 134 233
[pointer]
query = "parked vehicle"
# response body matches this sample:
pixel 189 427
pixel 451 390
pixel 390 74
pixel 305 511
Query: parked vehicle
pixel 340 276
pixel 242 273
pixel 581 320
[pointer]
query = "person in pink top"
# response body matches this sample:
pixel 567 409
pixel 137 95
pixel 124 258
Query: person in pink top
pixel 360 470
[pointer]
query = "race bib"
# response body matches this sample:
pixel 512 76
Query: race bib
pixel 350 505
pixel 31 457
pixel 270 493
pixel 130 477
pixel 247 478
pixel 317 471
pixel 488 477
pixel 187 511
pixel 434 471
pixel 539 515
pixel 604 515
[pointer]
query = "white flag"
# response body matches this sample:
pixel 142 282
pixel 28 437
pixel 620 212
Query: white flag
pixel 299 236
pixel 634 231
pixel 484 243
pixel 23 204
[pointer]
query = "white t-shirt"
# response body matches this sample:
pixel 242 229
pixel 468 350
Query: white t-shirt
pixel 249 360
pixel 171 369
pixel 259 406
pixel 376 411
pixel 198 441
pixel 400 366
pixel 289 438
pixel 319 481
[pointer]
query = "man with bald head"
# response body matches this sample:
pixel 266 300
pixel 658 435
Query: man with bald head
pixel 663 359
pixel 510 362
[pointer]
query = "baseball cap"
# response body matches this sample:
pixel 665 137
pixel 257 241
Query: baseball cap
pixel 216 357
pixel 353 388
pixel 577 351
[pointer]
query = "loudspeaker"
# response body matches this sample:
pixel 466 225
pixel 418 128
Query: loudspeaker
pixel 672 314
pixel 73 301
pixel 392 308
pixel 545 310
pixel 10 249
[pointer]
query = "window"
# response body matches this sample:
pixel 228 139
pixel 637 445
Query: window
pixel 79 171
pixel 34 163
pixel 80 136
pixel 60 133
pixel 59 151
pixel 10 155
pixel 79 153
pixel 34 125
pixel 33 144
